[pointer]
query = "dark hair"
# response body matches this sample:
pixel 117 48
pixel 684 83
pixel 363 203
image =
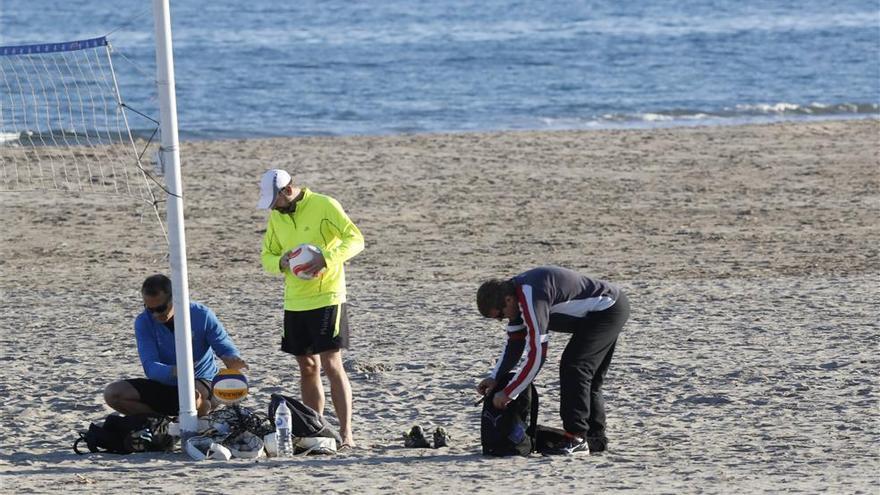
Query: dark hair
pixel 491 294
pixel 155 284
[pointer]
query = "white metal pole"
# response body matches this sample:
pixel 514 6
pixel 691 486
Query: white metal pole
pixel 170 154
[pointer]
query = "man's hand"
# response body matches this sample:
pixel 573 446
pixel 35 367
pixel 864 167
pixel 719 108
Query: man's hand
pixel 234 362
pixel 500 400
pixel 283 263
pixel 313 268
pixel 486 385
pixel 318 264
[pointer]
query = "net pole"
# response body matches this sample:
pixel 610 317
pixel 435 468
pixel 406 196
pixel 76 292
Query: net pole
pixel 170 154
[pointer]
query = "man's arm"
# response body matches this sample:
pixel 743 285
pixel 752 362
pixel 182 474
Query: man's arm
pixel 535 315
pixel 148 351
pixel 221 342
pixel 513 349
pixel 511 355
pixel 352 241
pixel 271 254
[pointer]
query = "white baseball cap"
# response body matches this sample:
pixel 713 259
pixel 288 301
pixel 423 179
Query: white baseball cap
pixel 273 181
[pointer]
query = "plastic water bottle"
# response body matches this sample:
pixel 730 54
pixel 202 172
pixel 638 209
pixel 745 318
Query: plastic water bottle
pixel 282 428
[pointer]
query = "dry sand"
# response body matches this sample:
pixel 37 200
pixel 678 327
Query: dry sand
pixel 749 364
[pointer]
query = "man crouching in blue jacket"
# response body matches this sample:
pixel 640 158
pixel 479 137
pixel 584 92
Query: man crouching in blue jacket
pixel 154 331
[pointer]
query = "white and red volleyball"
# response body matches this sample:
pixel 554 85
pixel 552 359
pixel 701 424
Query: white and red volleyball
pixel 230 386
pixel 300 258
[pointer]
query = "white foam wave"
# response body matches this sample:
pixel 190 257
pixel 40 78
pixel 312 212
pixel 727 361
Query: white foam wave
pixel 656 117
pixel 771 108
pixel 814 108
pixel 9 137
pixel 745 113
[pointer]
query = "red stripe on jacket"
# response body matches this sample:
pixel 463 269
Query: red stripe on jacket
pixel 534 339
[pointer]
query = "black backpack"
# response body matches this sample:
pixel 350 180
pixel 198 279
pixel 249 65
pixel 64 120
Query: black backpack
pixel 510 431
pixel 304 421
pixel 128 434
pixel 548 438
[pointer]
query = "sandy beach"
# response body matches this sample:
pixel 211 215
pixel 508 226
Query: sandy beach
pixel 751 256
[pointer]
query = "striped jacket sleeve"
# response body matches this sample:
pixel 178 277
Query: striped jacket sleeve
pixel 536 316
pixel 516 343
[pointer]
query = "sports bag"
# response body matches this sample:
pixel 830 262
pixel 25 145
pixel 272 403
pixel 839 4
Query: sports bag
pixel 128 434
pixel 305 422
pixel 512 430
pixel 548 438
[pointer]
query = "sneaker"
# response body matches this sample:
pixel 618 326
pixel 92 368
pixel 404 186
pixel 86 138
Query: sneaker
pixel 441 437
pixel 415 439
pixel 570 445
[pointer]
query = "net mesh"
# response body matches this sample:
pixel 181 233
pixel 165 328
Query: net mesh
pixel 63 124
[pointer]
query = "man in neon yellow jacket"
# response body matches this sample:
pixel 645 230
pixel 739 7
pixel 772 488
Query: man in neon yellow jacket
pixel 315 318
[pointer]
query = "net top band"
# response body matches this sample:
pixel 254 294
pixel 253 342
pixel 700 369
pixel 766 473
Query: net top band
pixel 67 46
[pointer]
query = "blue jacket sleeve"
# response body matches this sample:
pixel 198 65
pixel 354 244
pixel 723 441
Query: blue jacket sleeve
pixel 148 350
pixel 219 340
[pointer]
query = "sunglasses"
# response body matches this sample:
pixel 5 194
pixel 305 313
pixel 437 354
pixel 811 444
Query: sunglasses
pixel 158 310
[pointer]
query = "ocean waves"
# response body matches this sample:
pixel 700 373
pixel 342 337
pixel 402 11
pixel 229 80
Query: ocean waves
pixel 398 66
pixel 772 110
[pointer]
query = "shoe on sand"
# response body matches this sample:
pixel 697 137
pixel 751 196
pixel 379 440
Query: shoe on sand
pixel 570 445
pixel 441 437
pixel 597 443
pixel 415 439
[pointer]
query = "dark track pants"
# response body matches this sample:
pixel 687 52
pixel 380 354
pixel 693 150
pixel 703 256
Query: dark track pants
pixel 583 366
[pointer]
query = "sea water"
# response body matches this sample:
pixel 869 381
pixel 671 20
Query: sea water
pixel 332 67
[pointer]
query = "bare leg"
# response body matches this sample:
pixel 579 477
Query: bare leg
pixel 340 392
pixel 310 382
pixel 203 406
pixel 124 398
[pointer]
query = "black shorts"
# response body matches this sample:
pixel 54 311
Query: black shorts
pixel 316 330
pixel 163 398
